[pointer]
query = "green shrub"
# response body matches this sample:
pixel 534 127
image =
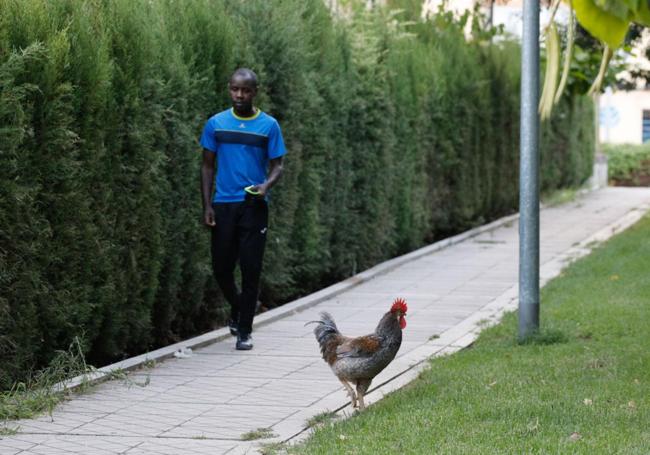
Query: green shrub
pixel 398 135
pixel 626 160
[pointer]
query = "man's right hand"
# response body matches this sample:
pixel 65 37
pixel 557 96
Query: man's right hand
pixel 207 180
pixel 208 217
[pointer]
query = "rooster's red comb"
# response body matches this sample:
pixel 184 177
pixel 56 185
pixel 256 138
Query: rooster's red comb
pixel 399 305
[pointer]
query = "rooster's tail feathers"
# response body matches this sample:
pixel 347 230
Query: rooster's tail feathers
pixel 326 333
pixel 325 328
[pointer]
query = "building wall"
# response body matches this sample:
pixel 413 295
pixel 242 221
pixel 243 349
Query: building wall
pixel 458 6
pixel 621 116
pixel 508 13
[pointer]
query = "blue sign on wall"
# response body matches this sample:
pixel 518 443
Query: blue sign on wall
pixel 609 116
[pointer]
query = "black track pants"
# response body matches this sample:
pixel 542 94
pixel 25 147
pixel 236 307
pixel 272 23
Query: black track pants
pixel 239 235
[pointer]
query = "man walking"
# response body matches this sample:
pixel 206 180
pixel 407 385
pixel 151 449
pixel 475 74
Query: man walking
pixel 241 145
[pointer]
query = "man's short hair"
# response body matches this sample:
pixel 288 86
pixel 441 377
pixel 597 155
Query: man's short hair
pixel 247 73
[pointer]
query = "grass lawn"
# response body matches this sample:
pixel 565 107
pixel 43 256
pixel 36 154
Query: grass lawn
pixel 582 387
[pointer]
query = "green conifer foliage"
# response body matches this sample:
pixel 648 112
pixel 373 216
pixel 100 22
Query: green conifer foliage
pixel 399 133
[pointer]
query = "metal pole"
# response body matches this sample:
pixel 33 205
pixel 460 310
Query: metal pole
pixel 491 15
pixel 529 174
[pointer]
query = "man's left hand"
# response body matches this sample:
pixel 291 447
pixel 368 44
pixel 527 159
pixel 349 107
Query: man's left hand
pixel 261 189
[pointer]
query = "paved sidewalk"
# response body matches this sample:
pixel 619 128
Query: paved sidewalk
pixel 204 403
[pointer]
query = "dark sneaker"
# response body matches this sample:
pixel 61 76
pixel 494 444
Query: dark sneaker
pixel 234 329
pixel 244 343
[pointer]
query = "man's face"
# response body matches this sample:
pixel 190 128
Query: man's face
pixel 242 92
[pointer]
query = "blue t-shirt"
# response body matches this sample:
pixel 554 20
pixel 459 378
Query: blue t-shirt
pixel 244 147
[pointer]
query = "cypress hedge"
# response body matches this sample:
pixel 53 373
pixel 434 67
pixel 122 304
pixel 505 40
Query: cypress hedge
pixel 399 133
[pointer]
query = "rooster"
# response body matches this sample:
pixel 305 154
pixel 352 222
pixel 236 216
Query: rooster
pixel 356 361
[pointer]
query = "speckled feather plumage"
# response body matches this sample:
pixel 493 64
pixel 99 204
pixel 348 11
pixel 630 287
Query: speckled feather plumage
pixel 360 358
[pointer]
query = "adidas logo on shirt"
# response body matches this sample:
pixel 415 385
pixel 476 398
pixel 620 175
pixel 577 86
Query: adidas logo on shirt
pixel 241 125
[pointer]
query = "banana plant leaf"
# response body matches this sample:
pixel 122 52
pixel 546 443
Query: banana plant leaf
pixel 602 24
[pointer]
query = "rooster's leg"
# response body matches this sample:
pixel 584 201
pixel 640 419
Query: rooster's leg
pixel 353 396
pixel 362 387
